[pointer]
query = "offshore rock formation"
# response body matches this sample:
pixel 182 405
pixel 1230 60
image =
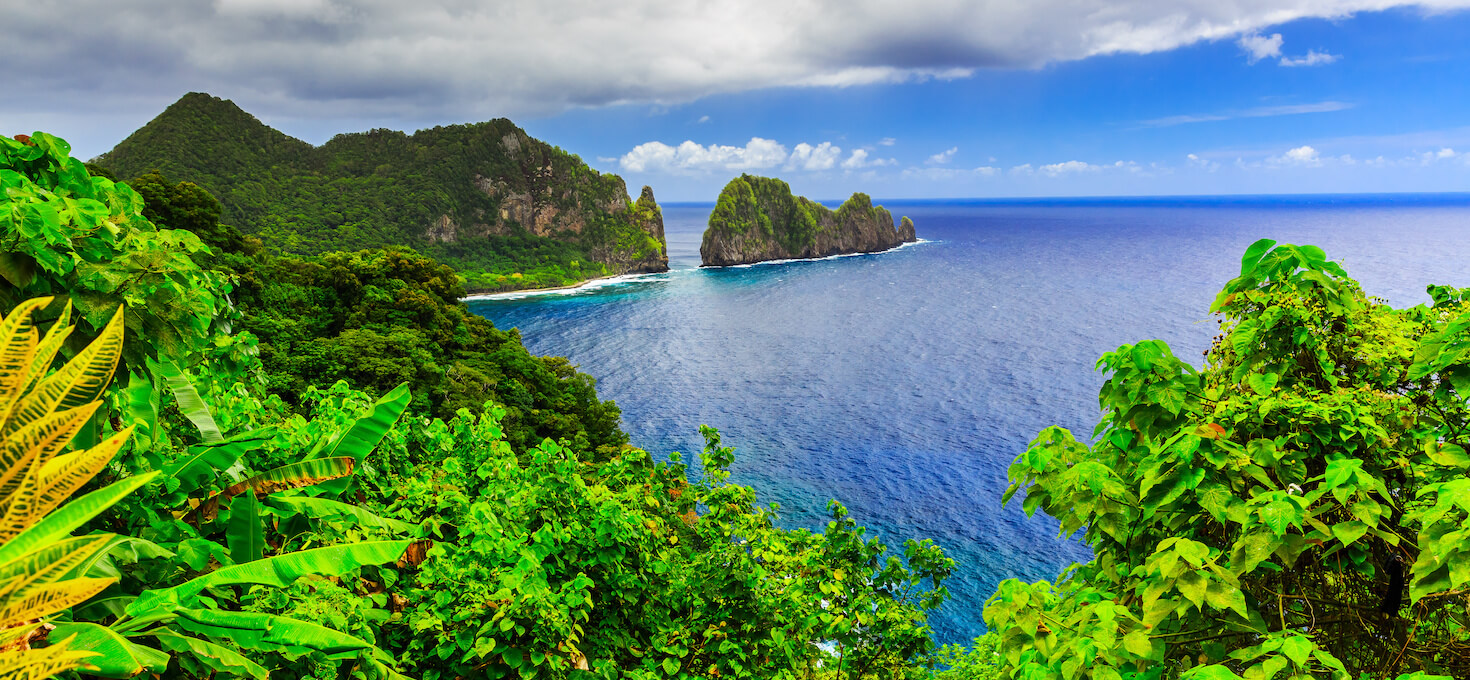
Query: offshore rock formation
pixel 758 219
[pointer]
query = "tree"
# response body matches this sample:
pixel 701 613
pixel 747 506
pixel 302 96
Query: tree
pixel 1297 506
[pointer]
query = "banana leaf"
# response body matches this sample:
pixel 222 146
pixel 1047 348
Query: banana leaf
pixel 279 571
pixel 358 441
pixel 190 403
pixel 322 508
pixel 292 476
pixel 117 656
pixel 270 633
pixel 218 658
pixel 120 550
pixel 244 534
pixel 206 461
pixel 66 519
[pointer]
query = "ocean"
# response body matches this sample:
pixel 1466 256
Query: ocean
pixel 904 383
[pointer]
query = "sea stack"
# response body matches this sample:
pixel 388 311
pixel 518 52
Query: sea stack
pixel 758 219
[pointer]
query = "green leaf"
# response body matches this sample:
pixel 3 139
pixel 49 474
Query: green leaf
pixel 1298 649
pixel 1448 455
pixel 1253 254
pixel 116 656
pixel 671 666
pixel 1212 672
pixel 219 658
pixel 1262 384
pixel 205 461
pixel 69 517
pixel 322 508
pixel 269 633
pixel 279 571
pixel 358 441
pixel 1137 643
pixel 1349 531
pixel 245 536
pixel 189 401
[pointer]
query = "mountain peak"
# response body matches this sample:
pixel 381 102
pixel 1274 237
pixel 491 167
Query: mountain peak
pixel 196 122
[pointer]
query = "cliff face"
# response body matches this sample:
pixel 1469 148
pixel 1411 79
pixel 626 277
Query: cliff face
pixel 484 196
pixel 758 219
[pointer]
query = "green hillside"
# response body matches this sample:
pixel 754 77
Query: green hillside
pixel 505 210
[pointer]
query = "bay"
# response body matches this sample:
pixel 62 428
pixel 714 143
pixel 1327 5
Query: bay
pixel 904 383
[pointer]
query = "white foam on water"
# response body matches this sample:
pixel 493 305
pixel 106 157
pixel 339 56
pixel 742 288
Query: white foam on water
pixel 900 246
pixel 584 287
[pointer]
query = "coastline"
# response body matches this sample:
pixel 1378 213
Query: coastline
pixel 790 260
pixel 589 284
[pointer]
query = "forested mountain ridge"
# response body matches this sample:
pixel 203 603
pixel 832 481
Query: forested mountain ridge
pixel 507 211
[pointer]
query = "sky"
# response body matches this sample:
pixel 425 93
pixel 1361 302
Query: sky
pixel 914 99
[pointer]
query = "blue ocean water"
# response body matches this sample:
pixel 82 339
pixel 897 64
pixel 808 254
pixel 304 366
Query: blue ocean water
pixel 904 383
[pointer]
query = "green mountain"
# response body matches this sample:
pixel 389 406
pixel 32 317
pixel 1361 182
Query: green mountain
pixel 505 210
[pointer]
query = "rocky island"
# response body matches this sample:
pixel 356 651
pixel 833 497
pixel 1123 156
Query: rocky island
pixel 758 219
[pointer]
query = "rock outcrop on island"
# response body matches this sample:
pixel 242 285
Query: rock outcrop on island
pixel 758 219
pixel 504 209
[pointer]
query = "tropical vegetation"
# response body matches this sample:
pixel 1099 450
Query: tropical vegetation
pixel 506 211
pixel 245 520
pixel 1296 508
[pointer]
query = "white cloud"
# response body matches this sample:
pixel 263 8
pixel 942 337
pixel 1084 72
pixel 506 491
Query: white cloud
pixel 887 141
pixel 458 60
pixel 757 154
pixel 1312 58
pixel 1258 47
pixel 949 174
pixel 703 119
pixel 943 156
pixel 859 159
pixel 1074 167
pixel 1302 155
pixel 1202 163
pixel 1057 169
pixel 1256 112
pixel 807 157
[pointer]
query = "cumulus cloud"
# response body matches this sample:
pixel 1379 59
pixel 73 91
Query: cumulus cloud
pixel 887 141
pixel 1302 155
pixel 1311 58
pixel 1258 47
pixel 468 61
pixel 943 156
pixel 757 154
pixel 859 159
pixel 807 157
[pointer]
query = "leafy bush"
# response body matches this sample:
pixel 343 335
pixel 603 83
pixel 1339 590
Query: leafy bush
pixel 1296 507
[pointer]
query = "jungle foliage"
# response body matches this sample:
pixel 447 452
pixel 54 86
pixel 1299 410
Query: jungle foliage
pixel 234 534
pixel 1296 508
pixel 381 318
pixel 384 188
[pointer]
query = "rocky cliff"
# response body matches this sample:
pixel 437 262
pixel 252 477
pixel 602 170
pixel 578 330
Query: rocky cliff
pixel 505 209
pixel 758 219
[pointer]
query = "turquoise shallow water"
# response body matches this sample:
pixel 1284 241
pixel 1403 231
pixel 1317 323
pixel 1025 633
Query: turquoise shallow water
pixel 904 383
